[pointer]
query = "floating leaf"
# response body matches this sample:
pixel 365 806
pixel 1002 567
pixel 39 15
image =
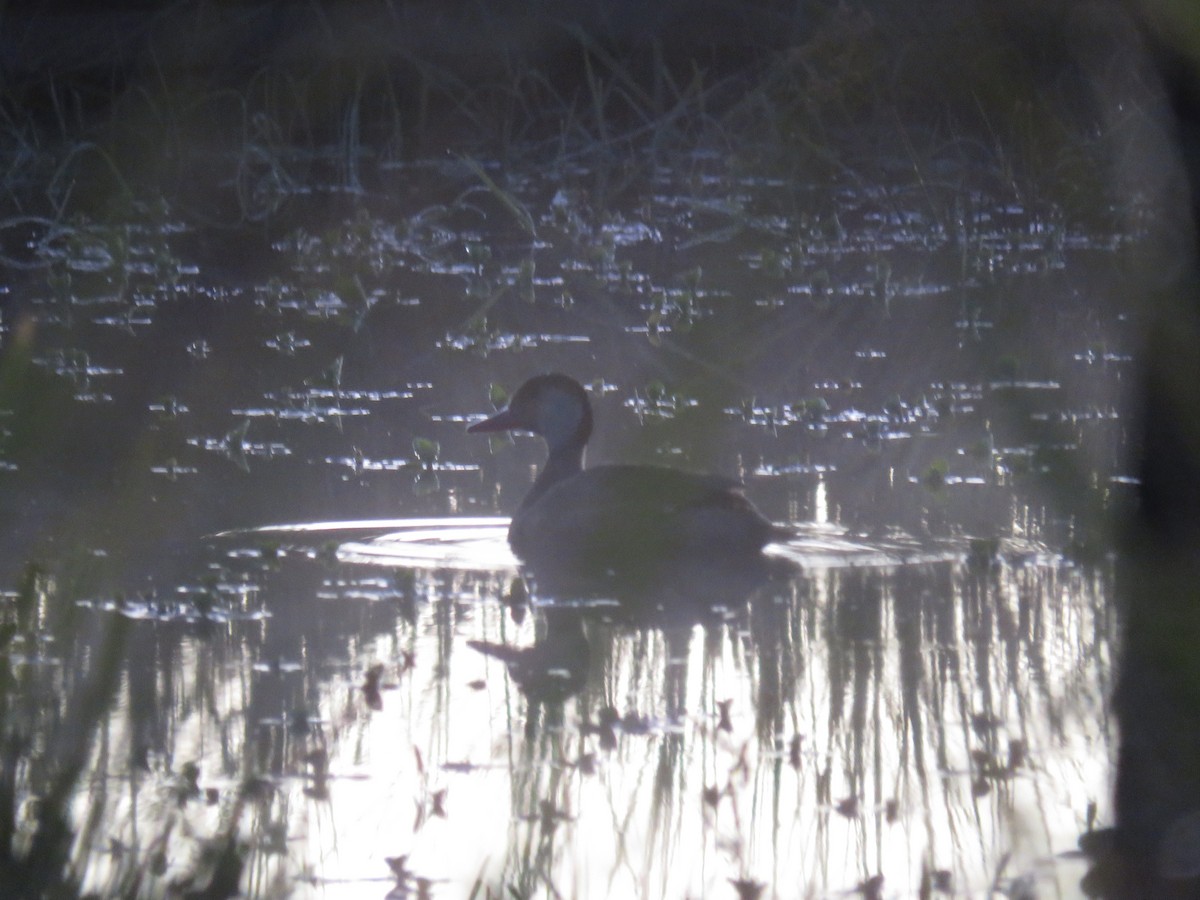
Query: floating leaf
pixel 425 450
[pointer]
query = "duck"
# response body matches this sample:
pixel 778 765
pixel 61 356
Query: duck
pixel 615 516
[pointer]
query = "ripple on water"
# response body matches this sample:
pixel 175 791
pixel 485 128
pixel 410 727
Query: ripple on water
pixel 481 544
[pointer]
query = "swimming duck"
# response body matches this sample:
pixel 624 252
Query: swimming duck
pixel 615 515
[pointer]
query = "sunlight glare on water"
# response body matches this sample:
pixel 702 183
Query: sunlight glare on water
pixel 878 719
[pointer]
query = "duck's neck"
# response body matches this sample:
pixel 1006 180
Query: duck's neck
pixel 562 463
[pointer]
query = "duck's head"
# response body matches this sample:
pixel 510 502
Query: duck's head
pixel 554 406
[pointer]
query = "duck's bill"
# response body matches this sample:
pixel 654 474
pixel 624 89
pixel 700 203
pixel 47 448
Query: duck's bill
pixel 501 421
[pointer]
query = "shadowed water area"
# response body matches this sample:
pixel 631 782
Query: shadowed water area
pixel 261 630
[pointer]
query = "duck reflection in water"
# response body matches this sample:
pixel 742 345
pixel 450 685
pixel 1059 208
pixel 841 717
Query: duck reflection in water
pixel 577 613
pixel 631 546
pixel 556 666
pixel 615 517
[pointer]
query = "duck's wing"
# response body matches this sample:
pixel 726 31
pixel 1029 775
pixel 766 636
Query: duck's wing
pixel 653 486
pixel 652 510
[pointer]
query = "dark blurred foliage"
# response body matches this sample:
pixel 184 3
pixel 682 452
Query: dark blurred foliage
pixel 1155 850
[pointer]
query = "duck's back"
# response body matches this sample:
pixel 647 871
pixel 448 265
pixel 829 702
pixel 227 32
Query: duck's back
pixel 623 514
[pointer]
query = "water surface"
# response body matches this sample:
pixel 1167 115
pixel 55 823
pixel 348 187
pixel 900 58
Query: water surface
pixel 246 461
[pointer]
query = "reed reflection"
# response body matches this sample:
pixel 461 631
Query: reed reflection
pixel 804 730
pixel 934 725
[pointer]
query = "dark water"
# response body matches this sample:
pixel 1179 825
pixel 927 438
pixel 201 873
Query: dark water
pixel 929 382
